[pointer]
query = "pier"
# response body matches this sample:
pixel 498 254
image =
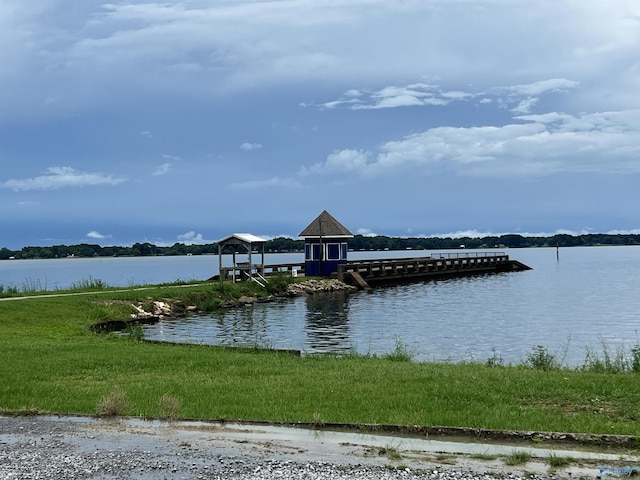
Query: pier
pixel 367 272
pixel 364 273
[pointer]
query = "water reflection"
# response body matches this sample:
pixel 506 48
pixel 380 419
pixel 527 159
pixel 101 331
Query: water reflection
pixel 588 299
pixel 327 323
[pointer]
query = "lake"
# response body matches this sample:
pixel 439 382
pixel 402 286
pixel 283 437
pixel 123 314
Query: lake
pixel 588 297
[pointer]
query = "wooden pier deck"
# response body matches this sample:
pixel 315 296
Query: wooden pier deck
pixel 421 268
pixel 363 273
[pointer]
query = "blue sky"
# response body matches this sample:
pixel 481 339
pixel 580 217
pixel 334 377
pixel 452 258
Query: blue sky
pixel 184 121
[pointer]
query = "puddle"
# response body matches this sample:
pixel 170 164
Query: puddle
pixel 198 440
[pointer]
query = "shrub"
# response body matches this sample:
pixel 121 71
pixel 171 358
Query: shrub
pixel 540 358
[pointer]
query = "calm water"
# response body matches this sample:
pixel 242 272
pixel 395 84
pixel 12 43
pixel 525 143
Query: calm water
pixel 587 297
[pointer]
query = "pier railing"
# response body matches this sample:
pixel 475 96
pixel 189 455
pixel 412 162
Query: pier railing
pixel 389 269
pixel 242 269
pixel 440 263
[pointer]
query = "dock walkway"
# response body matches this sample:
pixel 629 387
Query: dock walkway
pixel 363 273
pixel 420 268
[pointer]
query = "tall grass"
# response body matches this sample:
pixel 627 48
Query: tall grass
pixel 40 287
pixel 89 284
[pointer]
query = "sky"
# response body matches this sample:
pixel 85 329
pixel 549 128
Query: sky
pixel 186 121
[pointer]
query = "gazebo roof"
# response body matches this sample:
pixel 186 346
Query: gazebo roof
pixel 325 226
pixel 240 239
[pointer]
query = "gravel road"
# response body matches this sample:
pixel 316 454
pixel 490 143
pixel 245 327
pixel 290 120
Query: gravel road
pixel 87 448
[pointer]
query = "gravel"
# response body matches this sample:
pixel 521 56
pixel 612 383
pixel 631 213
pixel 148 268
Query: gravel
pixel 52 448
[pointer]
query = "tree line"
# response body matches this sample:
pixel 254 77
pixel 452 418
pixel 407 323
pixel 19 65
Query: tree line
pixel 359 242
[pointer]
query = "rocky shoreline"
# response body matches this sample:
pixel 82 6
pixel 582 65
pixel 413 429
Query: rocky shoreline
pixel 175 308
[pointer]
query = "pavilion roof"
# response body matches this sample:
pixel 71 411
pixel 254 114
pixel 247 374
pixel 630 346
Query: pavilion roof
pixel 326 225
pixel 240 238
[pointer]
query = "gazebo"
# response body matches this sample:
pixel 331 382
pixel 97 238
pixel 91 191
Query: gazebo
pixel 243 242
pixel 325 245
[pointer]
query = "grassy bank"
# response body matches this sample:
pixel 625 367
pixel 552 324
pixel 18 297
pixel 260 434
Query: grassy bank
pixel 51 362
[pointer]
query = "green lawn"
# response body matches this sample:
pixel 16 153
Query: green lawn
pixel 50 361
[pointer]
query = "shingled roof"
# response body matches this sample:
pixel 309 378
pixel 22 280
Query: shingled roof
pixel 325 226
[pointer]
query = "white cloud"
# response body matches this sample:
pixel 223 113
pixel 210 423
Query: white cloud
pixel 412 95
pixel 365 232
pixel 540 145
pixel 192 238
pixel 521 99
pixel 543 86
pixel 339 162
pixel 525 106
pixel 93 234
pixel 162 169
pixel 250 146
pixel 524 97
pixel 61 177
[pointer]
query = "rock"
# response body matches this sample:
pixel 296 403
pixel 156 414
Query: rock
pixel 311 287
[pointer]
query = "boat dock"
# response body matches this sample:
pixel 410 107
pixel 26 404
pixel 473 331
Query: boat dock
pixel 364 273
pixel 367 272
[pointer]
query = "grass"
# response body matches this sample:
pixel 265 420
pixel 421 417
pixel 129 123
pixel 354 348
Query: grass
pixel 115 404
pixel 558 461
pixel 483 456
pixel 51 362
pixel 517 457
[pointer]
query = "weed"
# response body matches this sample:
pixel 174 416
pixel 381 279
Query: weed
pixel 446 458
pixel 318 421
pixel 8 290
pixel 635 358
pixel 169 406
pixel 541 359
pixel 557 461
pixel 389 452
pixel 400 352
pixel 225 289
pixel 495 360
pixel 31 286
pixel 517 457
pixel 88 284
pixel 279 283
pixel 21 412
pixel 482 456
pixel 135 332
pixel 114 404
pixel 609 361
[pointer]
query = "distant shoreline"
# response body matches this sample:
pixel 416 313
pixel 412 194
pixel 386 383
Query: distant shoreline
pixel 357 243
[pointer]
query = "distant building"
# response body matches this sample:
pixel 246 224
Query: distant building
pixel 325 246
